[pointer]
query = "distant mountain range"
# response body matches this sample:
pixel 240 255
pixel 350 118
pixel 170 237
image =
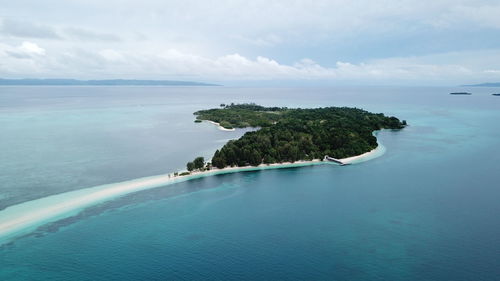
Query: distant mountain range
pixel 112 82
pixel 484 85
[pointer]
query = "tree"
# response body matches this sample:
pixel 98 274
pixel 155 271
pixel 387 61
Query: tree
pixel 255 158
pixel 269 159
pixel 190 166
pixel 199 162
pixel 294 134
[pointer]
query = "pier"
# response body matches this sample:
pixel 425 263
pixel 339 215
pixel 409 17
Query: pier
pixel 335 160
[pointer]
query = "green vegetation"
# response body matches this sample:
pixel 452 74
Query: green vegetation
pixel 198 164
pixel 242 115
pixel 190 166
pixel 288 135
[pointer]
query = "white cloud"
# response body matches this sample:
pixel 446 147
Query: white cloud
pixel 31 48
pixel 25 58
pixel 240 40
pixel 495 71
pixel 111 55
pixel 26 50
pixel 175 64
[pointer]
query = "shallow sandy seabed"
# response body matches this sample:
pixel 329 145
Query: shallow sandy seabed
pixel 26 217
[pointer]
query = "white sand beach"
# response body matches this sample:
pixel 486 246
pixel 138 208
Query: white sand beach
pixel 219 126
pixel 26 217
pixel 365 156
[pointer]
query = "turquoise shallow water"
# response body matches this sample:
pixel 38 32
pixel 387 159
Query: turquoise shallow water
pixel 57 139
pixel 426 210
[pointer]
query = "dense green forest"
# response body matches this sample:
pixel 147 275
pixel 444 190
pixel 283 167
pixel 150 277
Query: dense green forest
pixel 288 135
pixel 242 115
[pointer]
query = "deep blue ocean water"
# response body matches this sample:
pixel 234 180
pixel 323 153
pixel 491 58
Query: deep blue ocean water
pixel 426 210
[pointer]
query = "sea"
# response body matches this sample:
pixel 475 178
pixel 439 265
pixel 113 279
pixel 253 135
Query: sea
pixel 427 209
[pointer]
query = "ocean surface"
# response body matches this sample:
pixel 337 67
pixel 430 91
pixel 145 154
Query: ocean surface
pixel 428 209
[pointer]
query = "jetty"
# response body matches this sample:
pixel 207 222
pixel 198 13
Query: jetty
pixel 335 160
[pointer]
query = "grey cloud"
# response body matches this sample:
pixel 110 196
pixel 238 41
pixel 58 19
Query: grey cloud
pixel 204 34
pixel 27 29
pixel 18 55
pixel 85 34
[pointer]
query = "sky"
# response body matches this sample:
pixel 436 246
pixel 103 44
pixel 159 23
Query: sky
pixel 416 42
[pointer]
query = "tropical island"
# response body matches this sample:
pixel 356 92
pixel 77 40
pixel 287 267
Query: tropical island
pixel 292 134
pixel 284 138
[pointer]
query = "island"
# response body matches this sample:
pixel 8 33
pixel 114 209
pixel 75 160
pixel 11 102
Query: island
pixel 489 84
pixel 110 82
pixel 461 93
pixel 287 135
pixel 284 138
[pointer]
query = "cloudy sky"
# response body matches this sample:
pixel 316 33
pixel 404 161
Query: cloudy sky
pixel 439 42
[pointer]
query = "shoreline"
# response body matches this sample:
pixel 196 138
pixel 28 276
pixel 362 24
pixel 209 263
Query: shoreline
pixel 219 126
pixel 26 217
pixel 372 154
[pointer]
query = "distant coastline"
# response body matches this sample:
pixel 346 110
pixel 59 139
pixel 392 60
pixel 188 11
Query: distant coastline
pixel 490 84
pixel 110 82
